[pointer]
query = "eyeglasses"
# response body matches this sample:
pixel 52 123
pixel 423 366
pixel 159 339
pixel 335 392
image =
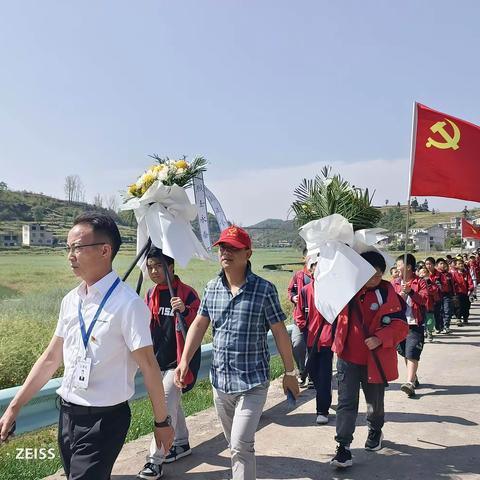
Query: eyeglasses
pixel 228 248
pixel 76 249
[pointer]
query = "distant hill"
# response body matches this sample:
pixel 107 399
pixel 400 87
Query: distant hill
pixel 19 207
pixel 274 232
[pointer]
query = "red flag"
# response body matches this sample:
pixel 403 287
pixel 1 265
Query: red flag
pixel 446 156
pixel 469 230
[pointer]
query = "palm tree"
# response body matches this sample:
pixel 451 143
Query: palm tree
pixel 326 195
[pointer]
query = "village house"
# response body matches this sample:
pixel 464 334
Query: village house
pixel 34 234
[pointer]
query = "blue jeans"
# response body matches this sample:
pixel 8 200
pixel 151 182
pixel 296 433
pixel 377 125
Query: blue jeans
pixel 320 371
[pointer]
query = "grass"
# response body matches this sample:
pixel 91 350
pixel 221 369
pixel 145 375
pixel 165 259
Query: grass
pixel 194 401
pixel 32 285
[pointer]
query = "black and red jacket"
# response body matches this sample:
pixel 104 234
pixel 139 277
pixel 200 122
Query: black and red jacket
pixel 167 338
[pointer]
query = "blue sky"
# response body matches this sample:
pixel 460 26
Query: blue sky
pixel 267 91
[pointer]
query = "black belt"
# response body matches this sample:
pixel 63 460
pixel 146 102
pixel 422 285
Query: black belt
pixel 74 409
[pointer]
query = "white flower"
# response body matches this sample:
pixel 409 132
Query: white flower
pixel 162 174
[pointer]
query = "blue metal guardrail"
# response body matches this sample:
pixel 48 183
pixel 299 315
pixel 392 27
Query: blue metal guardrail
pixel 42 410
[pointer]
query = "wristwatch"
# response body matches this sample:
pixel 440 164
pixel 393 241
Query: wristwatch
pixel 166 423
pixel 292 373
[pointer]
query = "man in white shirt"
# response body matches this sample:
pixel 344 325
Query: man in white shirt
pixel 102 337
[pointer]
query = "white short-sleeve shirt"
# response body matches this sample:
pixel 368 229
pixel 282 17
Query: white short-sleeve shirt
pixel 122 327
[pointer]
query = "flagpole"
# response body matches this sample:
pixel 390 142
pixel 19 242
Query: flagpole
pixel 412 155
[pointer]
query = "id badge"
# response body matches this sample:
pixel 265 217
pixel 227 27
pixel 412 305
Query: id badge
pixel 82 373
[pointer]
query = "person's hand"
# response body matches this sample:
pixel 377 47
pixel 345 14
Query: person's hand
pixel 406 288
pixel 180 374
pixel 6 423
pixel 177 304
pixel 372 342
pixel 164 437
pixel 295 299
pixel 291 383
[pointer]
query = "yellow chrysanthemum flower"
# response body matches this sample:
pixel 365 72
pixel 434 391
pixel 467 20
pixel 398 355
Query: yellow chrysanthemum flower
pixel 181 164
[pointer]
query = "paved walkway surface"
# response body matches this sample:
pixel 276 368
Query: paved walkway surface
pixel 433 436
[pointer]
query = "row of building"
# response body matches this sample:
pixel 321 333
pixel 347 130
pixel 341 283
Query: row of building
pixel 434 237
pixel 33 234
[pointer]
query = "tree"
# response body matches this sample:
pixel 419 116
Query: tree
pixel 3 186
pixel 38 213
pixel 97 200
pixel 74 189
pixel 327 194
pixel 386 201
pixel 452 242
pixel 395 220
pixel 111 203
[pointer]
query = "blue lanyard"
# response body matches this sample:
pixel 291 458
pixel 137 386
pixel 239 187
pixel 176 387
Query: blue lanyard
pixel 86 333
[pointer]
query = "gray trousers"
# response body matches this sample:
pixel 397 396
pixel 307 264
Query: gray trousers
pixel 239 414
pixel 299 348
pixel 350 377
pixel 173 396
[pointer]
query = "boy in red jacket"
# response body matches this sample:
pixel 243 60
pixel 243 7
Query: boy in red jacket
pixel 414 291
pixel 464 288
pixel 319 336
pixel 447 291
pixel 168 345
pixel 299 280
pixel 374 320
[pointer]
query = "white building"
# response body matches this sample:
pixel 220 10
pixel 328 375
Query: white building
pixel 36 234
pixel 9 239
pixel 471 243
pixel 426 239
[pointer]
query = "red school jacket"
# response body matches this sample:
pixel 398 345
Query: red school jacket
pixel 308 318
pixel 419 296
pixel 388 325
pixel 462 282
pixel 297 283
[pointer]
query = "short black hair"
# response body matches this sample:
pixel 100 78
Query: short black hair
pixel 305 251
pixel 410 260
pixel 392 268
pixel 155 252
pixel 375 259
pixel 440 260
pixel 104 225
pixel 430 259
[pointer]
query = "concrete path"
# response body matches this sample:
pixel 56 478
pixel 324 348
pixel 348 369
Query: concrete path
pixel 433 436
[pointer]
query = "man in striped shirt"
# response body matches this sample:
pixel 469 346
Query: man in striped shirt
pixel 242 307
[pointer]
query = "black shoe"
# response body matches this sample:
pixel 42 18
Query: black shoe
pixel 177 451
pixel 343 457
pixel 416 383
pixel 374 440
pixel 150 471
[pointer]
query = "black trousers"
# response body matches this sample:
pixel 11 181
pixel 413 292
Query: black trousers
pixel 90 442
pixel 350 377
pixel 320 371
pixel 463 306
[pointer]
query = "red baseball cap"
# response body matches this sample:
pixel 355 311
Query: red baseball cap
pixel 236 237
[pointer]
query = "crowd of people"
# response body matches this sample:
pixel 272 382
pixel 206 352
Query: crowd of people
pixel 383 319
pixel 105 332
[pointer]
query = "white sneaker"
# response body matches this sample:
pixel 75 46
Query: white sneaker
pixel 321 419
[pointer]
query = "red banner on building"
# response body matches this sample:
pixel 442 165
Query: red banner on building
pixel 469 230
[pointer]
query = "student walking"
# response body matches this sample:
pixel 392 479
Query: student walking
pixel 368 330
pixel 168 345
pixel 413 290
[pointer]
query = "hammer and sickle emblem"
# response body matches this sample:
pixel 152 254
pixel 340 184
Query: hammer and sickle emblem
pixel 450 142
